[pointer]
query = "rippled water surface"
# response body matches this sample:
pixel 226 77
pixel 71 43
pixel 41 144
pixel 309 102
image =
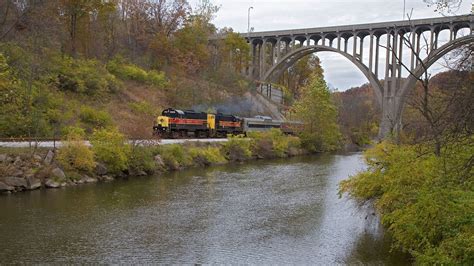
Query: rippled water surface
pixel 285 211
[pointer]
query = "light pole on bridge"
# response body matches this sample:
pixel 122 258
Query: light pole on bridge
pixel 249 69
pixel 248 23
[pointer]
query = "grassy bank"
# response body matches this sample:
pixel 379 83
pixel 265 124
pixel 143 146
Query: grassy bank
pixel 111 157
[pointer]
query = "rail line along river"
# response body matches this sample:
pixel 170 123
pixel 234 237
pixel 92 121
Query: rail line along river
pixel 284 211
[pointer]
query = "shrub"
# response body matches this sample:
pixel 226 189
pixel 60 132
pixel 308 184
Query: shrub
pixel 426 201
pixel 74 154
pixel 142 108
pixel 273 143
pixel 110 147
pixel 263 148
pixel 206 155
pixel 237 149
pixel 83 76
pixel 359 137
pixel 141 159
pixel 175 156
pixel 157 79
pixel 94 119
pixel 126 71
pixel 294 142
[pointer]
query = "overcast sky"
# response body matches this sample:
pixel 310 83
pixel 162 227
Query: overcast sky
pixel 291 14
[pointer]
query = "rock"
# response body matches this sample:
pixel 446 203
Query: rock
pixel 17 161
pixel 49 157
pixel 58 174
pixel 107 178
pixel 4 187
pixel 101 169
pixel 15 182
pixel 33 183
pixel 142 173
pixel 52 184
pixel 18 173
pixel 159 161
pixel 3 158
pixel 28 172
pixel 37 158
pixel 120 175
pixel 88 179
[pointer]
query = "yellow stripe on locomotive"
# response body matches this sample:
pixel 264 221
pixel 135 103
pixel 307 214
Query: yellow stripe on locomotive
pixel 211 121
pixel 163 121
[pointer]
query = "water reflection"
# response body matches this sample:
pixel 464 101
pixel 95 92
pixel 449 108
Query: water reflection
pixel 285 211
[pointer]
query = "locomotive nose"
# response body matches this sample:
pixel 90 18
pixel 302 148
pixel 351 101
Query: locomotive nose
pixel 162 121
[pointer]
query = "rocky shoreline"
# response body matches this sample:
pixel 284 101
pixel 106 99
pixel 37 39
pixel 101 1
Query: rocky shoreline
pixel 76 164
pixel 26 172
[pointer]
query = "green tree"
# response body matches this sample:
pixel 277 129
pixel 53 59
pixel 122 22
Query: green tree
pixel 236 51
pixel 316 109
pixel 13 102
pixel 299 74
pixel 191 41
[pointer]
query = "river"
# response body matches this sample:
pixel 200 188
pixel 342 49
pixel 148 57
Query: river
pixel 271 212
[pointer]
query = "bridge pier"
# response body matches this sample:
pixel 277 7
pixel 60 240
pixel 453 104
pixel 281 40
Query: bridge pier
pixel 390 123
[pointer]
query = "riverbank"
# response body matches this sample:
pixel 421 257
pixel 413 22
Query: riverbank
pixel 25 169
pixel 426 201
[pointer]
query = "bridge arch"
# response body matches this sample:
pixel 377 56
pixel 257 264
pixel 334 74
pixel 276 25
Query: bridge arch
pixel 427 63
pixel 291 58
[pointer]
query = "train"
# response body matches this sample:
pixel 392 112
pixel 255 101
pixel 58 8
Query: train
pixel 175 124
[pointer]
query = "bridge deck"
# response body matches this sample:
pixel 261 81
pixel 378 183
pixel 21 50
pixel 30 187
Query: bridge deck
pixel 359 27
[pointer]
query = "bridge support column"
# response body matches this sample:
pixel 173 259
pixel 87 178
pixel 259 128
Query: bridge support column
pixel 272 53
pixel 412 47
pixel 354 46
pixel 376 63
pixel 278 48
pixel 371 52
pixel 253 63
pixel 431 44
pixel 390 125
pixel 263 59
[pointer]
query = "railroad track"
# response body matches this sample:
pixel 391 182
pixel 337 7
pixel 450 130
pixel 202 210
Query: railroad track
pixel 22 143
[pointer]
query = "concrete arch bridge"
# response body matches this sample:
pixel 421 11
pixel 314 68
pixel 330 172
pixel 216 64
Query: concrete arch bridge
pixel 415 44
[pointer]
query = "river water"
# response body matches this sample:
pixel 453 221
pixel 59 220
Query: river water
pixel 272 212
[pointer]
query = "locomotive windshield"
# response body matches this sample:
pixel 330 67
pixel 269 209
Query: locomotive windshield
pixel 173 113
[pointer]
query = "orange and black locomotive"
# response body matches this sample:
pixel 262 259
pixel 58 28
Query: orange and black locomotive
pixel 175 124
pixel 182 124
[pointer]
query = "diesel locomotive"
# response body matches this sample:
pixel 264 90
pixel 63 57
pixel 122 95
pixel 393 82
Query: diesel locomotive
pixel 176 124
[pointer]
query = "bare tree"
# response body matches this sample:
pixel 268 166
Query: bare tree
pixel 437 106
pixel 444 6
